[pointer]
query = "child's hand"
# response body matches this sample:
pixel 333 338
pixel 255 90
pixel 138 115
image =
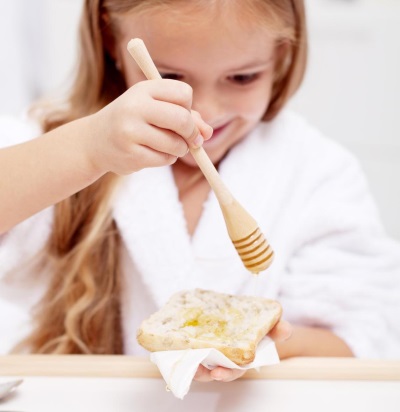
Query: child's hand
pixel 150 125
pixel 279 333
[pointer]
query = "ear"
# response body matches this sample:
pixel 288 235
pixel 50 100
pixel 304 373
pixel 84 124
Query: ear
pixel 283 57
pixel 281 49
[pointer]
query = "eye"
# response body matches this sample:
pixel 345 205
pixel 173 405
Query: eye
pixel 171 76
pixel 243 79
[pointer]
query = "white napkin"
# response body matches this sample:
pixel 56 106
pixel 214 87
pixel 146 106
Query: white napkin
pixel 178 367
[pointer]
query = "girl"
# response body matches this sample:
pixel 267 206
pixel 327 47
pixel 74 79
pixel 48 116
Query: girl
pixel 112 249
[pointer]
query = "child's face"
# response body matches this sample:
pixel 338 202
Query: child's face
pixel 229 67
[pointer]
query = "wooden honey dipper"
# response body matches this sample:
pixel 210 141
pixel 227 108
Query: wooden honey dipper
pixel 251 245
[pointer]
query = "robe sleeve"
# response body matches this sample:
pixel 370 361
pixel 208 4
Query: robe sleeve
pixel 344 272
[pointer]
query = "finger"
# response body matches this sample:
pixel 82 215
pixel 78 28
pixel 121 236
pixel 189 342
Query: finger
pixel 175 118
pixel 142 157
pixel 163 140
pixel 167 90
pixel 201 131
pixel 225 374
pixel 195 140
pixel 281 331
pixel 153 158
pixel 205 129
pixel 203 374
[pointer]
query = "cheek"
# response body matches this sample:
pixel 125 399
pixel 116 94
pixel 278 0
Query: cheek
pixel 131 72
pixel 253 106
pixel 132 76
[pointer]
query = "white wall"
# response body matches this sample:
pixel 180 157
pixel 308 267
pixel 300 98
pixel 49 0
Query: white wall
pixel 37 48
pixel 351 91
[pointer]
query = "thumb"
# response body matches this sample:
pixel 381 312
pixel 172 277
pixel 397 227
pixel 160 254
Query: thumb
pixel 281 331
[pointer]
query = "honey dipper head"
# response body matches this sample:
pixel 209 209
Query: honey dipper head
pixel 254 251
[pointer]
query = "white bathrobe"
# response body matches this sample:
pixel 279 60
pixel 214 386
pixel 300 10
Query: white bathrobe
pixel 334 266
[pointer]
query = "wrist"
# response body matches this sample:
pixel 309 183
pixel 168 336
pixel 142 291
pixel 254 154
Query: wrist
pixel 86 139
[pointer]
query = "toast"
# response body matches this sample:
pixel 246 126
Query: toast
pixel 205 319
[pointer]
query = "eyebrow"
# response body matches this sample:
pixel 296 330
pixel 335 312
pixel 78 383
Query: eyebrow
pixel 257 64
pixel 254 65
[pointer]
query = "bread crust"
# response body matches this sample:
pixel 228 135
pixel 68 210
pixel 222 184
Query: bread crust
pixel 199 319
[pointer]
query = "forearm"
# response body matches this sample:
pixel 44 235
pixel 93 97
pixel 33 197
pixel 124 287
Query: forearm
pixel 312 341
pixel 42 172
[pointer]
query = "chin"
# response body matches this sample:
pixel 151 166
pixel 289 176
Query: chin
pixel 188 160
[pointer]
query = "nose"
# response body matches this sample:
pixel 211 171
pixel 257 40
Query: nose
pixel 209 104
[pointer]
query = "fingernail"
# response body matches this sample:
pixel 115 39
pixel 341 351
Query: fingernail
pixel 198 141
pixel 217 376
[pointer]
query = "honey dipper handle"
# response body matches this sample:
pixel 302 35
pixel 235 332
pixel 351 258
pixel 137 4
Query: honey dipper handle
pixel 222 193
pixel 141 55
pixel 139 52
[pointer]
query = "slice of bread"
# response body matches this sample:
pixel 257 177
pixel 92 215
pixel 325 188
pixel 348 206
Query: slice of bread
pixel 204 319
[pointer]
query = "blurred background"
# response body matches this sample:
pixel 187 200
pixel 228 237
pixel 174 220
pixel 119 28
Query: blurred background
pixel 351 91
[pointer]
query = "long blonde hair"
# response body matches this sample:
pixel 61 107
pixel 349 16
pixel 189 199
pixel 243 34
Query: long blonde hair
pixel 80 313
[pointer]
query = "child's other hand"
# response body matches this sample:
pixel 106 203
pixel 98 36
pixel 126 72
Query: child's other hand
pixel 150 125
pixel 279 333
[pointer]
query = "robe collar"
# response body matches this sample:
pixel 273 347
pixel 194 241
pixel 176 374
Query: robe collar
pixel 151 220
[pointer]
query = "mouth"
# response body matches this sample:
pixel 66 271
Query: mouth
pixel 218 131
